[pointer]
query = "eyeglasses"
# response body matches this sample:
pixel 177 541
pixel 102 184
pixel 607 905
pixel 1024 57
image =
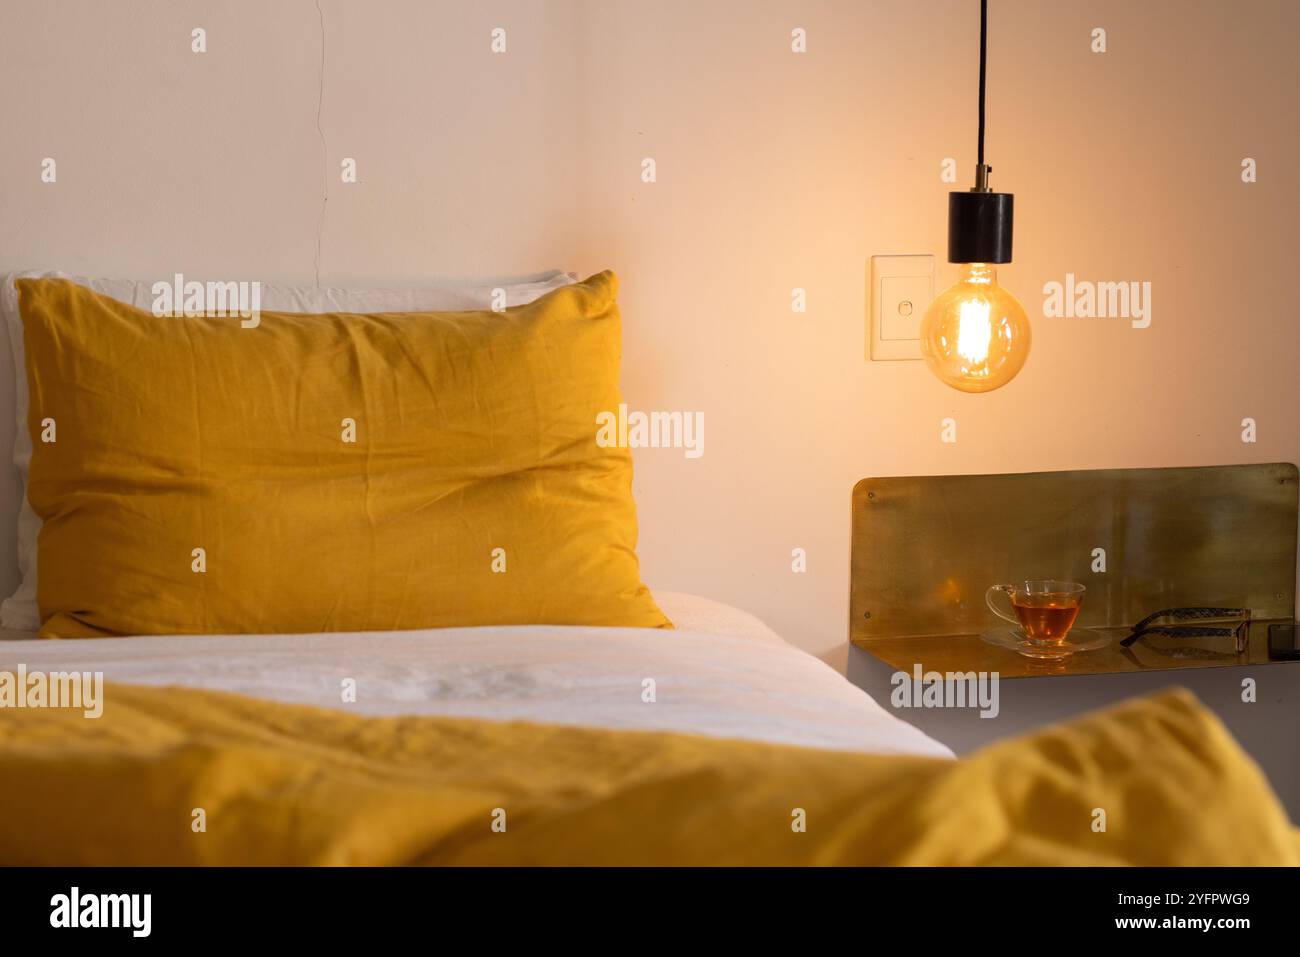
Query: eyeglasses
pixel 1152 624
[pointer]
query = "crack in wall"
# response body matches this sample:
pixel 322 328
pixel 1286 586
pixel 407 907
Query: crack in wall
pixel 325 188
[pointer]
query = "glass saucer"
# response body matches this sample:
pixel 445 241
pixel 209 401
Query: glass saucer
pixel 1081 639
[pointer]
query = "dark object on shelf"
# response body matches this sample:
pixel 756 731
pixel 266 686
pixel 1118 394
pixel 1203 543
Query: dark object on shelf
pixel 1153 625
pixel 1284 641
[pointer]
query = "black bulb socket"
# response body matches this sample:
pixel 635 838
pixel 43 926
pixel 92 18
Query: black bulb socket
pixel 979 227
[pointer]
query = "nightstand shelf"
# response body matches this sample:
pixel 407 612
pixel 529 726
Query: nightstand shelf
pixel 925 550
pixel 962 653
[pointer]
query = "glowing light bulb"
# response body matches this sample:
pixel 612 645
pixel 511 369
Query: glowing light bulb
pixel 975 336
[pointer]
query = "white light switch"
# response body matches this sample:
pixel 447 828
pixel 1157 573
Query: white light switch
pixel 899 288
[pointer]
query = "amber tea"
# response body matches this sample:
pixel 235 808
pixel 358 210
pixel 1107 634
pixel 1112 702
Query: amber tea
pixel 1044 608
pixel 1046 617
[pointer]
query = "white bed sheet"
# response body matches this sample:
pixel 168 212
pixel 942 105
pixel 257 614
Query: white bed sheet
pixel 722 672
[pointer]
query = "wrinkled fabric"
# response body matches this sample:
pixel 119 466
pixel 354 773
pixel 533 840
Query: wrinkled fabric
pixel 283 784
pixel 747 685
pixel 474 491
pixel 19 611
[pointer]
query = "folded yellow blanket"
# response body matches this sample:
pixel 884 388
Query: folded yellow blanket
pixel 173 776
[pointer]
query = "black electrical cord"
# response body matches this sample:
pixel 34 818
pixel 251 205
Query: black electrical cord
pixel 984 30
pixel 979 220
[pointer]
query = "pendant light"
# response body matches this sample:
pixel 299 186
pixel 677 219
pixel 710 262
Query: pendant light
pixel 975 336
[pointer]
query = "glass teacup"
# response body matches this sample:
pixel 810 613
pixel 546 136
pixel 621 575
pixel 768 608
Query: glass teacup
pixel 1045 609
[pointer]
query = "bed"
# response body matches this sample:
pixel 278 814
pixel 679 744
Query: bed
pixel 363 588
pixel 721 672
pixel 538 745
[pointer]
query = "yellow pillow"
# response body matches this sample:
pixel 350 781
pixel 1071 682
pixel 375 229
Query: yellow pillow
pixel 328 472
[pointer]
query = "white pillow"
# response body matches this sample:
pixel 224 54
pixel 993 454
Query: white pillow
pixel 19 611
pixel 696 613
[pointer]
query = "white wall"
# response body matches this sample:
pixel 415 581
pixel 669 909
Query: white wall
pixel 775 170
pixel 778 171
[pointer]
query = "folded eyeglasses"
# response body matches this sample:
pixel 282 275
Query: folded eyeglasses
pixel 1164 622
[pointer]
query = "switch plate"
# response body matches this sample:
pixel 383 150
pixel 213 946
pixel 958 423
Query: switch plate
pixel 899 289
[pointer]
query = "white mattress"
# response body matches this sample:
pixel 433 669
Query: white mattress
pixel 722 672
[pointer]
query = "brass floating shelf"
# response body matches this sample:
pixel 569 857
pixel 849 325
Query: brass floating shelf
pixel 924 549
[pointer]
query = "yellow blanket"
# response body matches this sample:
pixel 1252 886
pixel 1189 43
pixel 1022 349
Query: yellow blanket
pixel 172 776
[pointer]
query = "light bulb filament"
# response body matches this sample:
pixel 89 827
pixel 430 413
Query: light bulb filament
pixel 974 333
